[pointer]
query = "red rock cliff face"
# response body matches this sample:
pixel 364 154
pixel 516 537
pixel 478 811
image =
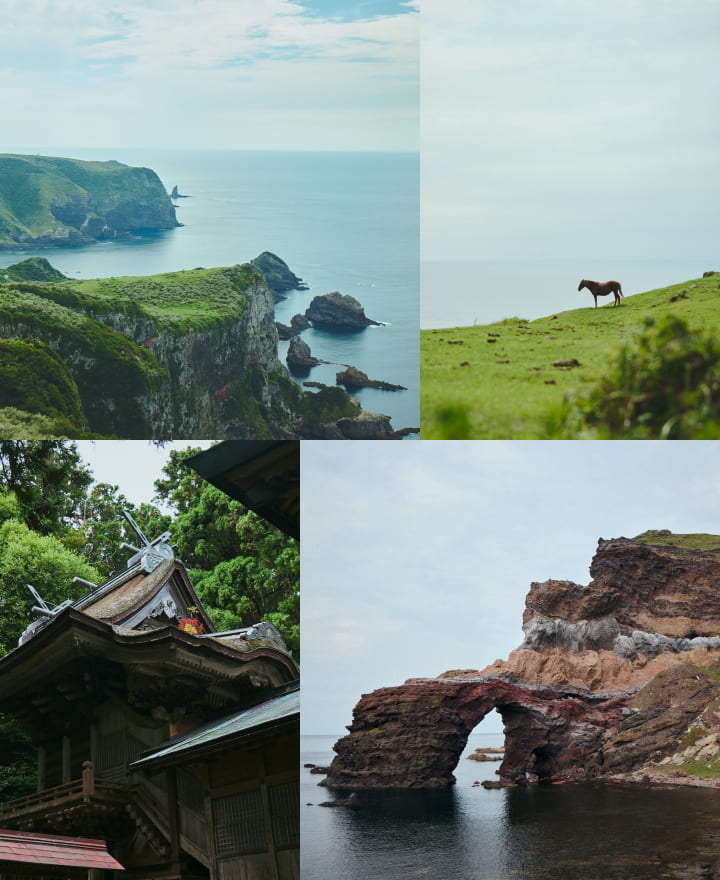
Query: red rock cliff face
pixel 616 677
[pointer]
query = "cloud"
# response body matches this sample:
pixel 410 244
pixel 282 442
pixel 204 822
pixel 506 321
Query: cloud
pixel 543 115
pixel 209 63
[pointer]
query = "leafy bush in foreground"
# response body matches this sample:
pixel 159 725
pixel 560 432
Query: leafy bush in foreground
pixel 663 384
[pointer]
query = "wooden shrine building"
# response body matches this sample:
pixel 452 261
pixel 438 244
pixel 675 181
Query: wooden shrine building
pixel 178 748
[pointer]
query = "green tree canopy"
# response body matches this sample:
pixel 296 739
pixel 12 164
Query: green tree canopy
pixel 244 569
pixel 47 479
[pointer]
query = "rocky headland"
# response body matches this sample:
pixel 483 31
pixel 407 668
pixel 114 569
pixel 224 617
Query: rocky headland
pixel 53 202
pixel 618 679
pixel 181 354
pixel 277 274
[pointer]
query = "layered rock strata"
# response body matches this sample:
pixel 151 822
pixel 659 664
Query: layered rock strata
pixel 619 678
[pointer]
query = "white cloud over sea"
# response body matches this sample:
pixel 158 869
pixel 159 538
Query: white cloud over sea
pixel 237 74
pixel 565 130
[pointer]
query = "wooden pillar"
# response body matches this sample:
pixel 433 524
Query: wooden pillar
pixel 42 769
pixel 269 836
pixel 174 823
pixel 66 759
pixel 94 743
pixel 88 779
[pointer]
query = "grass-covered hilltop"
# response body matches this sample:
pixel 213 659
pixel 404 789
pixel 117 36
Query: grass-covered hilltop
pixel 181 354
pixel 51 202
pixel 647 369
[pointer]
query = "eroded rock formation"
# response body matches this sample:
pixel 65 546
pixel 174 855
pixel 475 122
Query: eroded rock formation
pixel 617 678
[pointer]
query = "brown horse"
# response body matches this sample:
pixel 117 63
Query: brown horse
pixel 603 288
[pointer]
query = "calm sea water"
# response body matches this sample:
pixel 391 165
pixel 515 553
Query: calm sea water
pixel 342 221
pixel 573 832
pixel 464 293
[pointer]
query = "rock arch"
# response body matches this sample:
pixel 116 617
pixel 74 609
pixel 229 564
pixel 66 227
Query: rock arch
pixel 412 736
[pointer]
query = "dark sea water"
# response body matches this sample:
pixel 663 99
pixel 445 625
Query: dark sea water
pixel 569 832
pixel 342 221
pixel 461 294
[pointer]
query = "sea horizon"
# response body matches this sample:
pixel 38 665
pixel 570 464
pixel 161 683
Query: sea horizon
pixel 463 293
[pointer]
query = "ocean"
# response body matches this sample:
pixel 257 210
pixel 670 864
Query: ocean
pixel 460 294
pixel 568 832
pixel 341 221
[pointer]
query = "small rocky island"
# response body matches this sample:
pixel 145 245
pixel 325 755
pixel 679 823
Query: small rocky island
pixel 618 680
pixel 339 312
pixel 53 202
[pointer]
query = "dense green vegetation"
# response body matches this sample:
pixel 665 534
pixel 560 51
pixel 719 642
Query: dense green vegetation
pixel 647 369
pixel 56 524
pixel 327 405
pixel 32 269
pixel 101 362
pixel 35 378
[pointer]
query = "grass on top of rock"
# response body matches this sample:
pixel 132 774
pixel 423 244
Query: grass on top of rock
pixel 643 370
pixel 665 538
pixel 195 298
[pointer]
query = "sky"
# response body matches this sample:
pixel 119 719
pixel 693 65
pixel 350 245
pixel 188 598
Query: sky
pixel 569 129
pixel 210 74
pixel 133 465
pixel 416 558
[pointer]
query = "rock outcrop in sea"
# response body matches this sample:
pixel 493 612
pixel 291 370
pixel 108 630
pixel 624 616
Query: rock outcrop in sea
pixel 353 378
pixel 299 357
pixel 338 311
pixel 617 679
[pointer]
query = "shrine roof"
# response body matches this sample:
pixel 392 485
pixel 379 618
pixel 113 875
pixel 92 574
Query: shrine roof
pixel 49 849
pixel 263 475
pixel 270 713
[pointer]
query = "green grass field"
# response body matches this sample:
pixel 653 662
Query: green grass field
pixel 508 379
pixel 665 538
pixel 194 298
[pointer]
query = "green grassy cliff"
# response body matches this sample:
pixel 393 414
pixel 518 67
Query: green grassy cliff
pixel 181 354
pixel 649 368
pixel 49 202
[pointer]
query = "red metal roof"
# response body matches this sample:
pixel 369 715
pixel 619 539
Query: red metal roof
pixel 49 849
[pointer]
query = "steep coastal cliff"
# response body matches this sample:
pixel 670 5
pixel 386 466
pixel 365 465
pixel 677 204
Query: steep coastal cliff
pixel 183 354
pixel 52 202
pixel 618 679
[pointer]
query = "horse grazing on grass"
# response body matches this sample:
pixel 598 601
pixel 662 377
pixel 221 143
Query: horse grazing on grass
pixel 603 288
